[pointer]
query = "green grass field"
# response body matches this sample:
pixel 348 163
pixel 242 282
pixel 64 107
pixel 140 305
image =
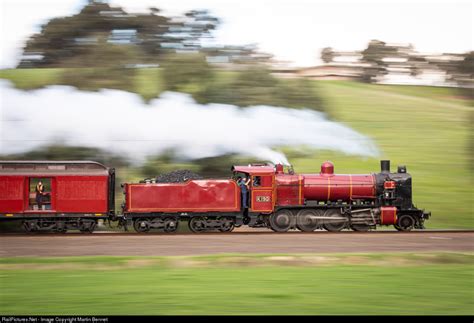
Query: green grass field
pixel 425 128
pixel 427 284
pixel 32 78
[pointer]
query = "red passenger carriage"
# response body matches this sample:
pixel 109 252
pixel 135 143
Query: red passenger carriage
pixel 76 194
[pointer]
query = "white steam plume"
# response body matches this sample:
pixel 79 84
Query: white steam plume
pixel 120 122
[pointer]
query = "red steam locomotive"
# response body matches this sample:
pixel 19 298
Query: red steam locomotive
pixel 80 193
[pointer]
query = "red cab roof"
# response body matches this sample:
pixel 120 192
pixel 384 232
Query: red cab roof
pixel 254 169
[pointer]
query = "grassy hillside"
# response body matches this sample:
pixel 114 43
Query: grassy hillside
pixel 32 78
pixel 428 134
pixel 425 128
pixel 403 284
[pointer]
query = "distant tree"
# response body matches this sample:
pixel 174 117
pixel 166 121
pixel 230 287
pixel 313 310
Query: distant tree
pixel 110 71
pixel 237 54
pixel 300 93
pixel 459 68
pixel 188 72
pixel 466 66
pixel 254 86
pixel 105 55
pixel 416 64
pixel 98 23
pixel 374 56
pixel 198 25
pixel 327 55
pixel 465 77
pixel 95 25
pixel 250 86
pixel 257 86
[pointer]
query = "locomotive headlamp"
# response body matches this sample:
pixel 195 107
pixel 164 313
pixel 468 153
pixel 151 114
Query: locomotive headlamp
pixel 402 169
pixel 389 189
pixel 389 185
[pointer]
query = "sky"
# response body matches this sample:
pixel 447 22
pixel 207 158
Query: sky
pixel 294 31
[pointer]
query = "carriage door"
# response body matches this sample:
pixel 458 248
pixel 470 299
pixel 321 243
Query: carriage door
pixel 40 199
pixel 261 187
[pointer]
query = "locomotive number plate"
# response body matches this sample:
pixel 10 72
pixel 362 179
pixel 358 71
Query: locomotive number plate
pixel 263 198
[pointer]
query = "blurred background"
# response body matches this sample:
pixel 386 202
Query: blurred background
pixel 294 82
pixel 149 87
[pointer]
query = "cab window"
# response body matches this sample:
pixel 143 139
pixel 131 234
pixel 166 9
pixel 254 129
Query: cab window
pixel 257 181
pixel 262 181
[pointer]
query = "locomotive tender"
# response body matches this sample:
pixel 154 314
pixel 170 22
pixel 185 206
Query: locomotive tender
pixel 83 192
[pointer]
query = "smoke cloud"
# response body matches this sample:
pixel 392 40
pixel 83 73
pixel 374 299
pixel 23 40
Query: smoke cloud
pixel 120 122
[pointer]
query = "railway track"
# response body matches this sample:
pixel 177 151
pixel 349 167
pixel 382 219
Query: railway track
pixel 155 244
pixel 242 232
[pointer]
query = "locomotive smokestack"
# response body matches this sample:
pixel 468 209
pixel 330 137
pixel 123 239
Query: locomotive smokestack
pixel 385 166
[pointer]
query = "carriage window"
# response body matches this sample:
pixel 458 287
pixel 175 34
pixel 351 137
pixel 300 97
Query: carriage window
pixel 40 194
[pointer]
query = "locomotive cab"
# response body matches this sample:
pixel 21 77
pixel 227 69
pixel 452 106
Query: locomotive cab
pixel 261 186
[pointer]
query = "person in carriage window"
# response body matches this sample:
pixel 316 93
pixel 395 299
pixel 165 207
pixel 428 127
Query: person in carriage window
pixel 39 194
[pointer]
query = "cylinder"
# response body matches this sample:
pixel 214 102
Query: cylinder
pixel 388 215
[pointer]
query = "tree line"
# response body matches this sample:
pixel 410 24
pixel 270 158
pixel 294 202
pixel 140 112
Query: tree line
pixel 108 43
pixel 379 58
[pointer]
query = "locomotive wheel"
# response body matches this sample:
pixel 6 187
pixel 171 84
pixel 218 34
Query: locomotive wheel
pixel 281 221
pixel 305 220
pixel 171 225
pixel 227 225
pixel 360 227
pixel 197 224
pixel 141 225
pixel 405 223
pixel 61 227
pixel 336 225
pixel 28 227
pixel 87 227
pixel 92 227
